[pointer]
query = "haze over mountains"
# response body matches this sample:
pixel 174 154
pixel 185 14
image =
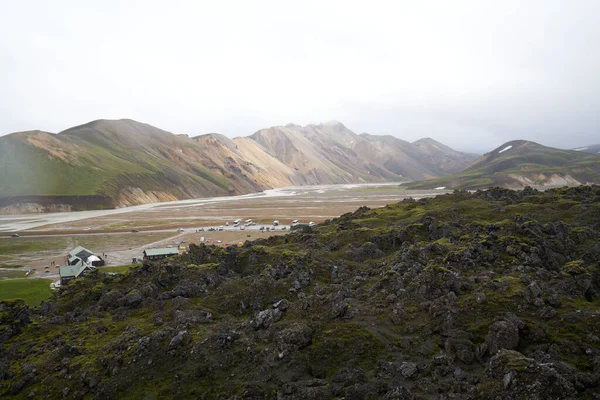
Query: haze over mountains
pixel 115 163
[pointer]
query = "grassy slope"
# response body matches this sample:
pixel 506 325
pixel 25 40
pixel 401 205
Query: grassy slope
pixel 117 269
pixel 34 290
pixel 31 290
pixel 373 313
pixel 27 170
pixel 102 158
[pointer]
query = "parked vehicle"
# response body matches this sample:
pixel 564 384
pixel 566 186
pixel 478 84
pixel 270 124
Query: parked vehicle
pixel 15 235
pixel 135 230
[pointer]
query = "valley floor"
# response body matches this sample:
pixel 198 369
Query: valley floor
pixel 46 238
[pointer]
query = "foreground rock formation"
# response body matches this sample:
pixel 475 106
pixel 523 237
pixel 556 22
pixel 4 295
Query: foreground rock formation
pixel 491 295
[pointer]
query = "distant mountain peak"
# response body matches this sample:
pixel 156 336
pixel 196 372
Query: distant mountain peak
pixel 103 124
pixel 210 134
pixel 426 139
pixel 519 163
pixel 333 123
pixel 513 144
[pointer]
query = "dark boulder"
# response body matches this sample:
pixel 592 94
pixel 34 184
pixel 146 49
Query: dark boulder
pixel 525 378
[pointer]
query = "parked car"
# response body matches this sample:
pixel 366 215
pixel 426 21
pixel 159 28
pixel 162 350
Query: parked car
pixel 15 235
pixel 135 230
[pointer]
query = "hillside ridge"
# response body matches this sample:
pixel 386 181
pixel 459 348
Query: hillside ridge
pixel 130 163
pixel 521 163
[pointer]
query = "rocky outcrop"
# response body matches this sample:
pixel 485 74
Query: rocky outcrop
pixel 130 196
pixel 525 378
pixel 485 295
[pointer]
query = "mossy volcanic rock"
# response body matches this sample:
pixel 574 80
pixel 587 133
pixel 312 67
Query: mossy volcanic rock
pixel 493 294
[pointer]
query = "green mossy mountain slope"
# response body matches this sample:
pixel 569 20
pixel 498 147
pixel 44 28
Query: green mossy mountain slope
pixel 125 161
pixel 493 295
pixel 521 163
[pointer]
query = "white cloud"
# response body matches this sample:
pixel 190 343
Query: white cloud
pixel 452 70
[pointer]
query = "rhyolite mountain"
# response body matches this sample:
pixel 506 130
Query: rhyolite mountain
pixel 486 295
pixel 521 163
pixel 116 163
pixel 330 152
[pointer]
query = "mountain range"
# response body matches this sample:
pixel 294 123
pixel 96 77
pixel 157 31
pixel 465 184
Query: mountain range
pixel 117 163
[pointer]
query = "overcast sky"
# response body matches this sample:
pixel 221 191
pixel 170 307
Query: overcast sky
pixel 472 74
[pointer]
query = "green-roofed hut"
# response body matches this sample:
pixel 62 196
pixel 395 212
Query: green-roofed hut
pixel 75 261
pixel 70 272
pixel 159 254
